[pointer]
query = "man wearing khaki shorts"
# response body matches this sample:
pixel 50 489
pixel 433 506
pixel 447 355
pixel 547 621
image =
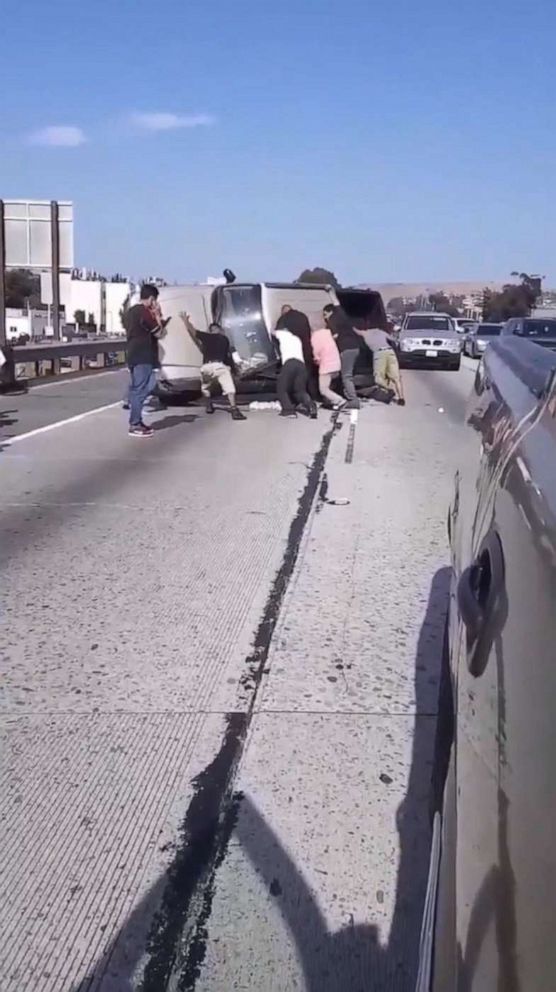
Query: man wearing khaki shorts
pixel 217 364
pixel 386 368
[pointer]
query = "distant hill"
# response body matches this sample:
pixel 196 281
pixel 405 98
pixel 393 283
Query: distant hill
pixel 389 290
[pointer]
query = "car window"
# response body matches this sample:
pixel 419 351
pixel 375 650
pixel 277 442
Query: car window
pixel 488 330
pixel 431 323
pixel 539 328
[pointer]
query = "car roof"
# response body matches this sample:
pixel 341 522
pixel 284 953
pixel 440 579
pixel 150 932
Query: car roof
pixel 428 313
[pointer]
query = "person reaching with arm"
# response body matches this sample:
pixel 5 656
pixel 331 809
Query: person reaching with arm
pixel 297 323
pixel 386 368
pixel 348 342
pixel 292 381
pixel 217 364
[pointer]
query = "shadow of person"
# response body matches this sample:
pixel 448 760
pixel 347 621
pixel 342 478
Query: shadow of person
pixel 175 421
pixel 116 970
pixel 351 959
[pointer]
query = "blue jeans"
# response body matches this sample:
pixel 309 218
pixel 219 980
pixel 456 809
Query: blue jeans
pixel 143 381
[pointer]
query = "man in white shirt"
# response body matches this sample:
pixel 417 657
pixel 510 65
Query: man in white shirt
pixel 293 378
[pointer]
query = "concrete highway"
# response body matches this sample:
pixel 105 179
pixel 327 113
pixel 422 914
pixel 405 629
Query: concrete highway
pixel 220 651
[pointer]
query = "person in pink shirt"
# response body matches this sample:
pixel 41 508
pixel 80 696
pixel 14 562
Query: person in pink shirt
pixel 327 358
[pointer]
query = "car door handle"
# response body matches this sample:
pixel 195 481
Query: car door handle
pixel 481 601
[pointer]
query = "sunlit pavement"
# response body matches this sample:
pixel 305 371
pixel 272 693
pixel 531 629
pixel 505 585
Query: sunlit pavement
pixel 221 650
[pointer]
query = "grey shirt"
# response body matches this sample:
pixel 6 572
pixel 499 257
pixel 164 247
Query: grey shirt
pixel 376 340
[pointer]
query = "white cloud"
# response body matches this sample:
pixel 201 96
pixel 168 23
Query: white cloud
pixel 59 136
pixel 170 122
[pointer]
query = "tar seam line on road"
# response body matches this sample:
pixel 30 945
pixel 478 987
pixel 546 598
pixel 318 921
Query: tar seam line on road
pixel 176 945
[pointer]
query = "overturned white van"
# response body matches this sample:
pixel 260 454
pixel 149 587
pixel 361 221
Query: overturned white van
pixel 247 313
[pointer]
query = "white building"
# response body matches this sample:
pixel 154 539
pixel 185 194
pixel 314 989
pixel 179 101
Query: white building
pixel 31 322
pixel 94 297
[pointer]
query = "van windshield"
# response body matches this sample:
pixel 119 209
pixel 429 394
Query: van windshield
pixel 241 316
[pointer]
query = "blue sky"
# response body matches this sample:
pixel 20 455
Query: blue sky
pixel 402 141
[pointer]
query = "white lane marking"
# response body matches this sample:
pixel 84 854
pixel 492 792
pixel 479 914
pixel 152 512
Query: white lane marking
pixel 80 378
pixel 60 423
pixel 354 417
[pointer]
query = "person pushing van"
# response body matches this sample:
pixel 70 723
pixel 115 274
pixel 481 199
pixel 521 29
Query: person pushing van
pixel 347 340
pixel 217 364
pixel 298 324
pixel 386 368
pixel 292 381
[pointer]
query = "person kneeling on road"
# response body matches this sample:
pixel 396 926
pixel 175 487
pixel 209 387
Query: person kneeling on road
pixel 386 368
pixel 144 325
pixel 217 364
pixel 293 378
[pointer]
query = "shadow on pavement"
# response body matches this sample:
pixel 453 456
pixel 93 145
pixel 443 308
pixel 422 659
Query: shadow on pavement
pixel 6 420
pixel 352 959
pixel 163 425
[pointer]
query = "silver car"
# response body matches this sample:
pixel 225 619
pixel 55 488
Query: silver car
pixel 429 338
pixel 479 337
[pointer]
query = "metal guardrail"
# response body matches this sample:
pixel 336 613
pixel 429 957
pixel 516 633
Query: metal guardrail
pixel 77 351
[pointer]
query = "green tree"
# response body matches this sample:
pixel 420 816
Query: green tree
pixel 514 300
pixel 442 303
pixel 319 275
pixel 22 287
pixel 399 307
pixel 123 310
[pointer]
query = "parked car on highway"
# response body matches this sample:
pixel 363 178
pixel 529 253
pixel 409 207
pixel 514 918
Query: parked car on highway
pixel 490 908
pixel 478 337
pixel 429 338
pixel 541 330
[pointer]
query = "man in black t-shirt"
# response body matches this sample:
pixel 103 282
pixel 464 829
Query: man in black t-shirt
pixel 217 364
pixel 144 324
pixel 349 342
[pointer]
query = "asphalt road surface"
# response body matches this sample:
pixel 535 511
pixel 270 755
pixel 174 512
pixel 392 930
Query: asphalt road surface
pixel 221 651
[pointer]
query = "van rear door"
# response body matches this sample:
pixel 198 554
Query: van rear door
pixel 310 300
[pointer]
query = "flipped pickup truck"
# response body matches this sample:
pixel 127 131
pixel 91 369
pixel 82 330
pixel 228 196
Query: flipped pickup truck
pixel 490 915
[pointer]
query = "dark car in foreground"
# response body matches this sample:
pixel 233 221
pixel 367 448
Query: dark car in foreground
pixel 429 338
pixel 540 330
pixel 490 913
pixel 478 337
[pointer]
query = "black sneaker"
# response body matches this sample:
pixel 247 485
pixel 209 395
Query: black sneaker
pixel 125 405
pixel 401 402
pixel 237 414
pixel 340 406
pixel 291 414
pixel 313 410
pixel 140 430
pixel 210 406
